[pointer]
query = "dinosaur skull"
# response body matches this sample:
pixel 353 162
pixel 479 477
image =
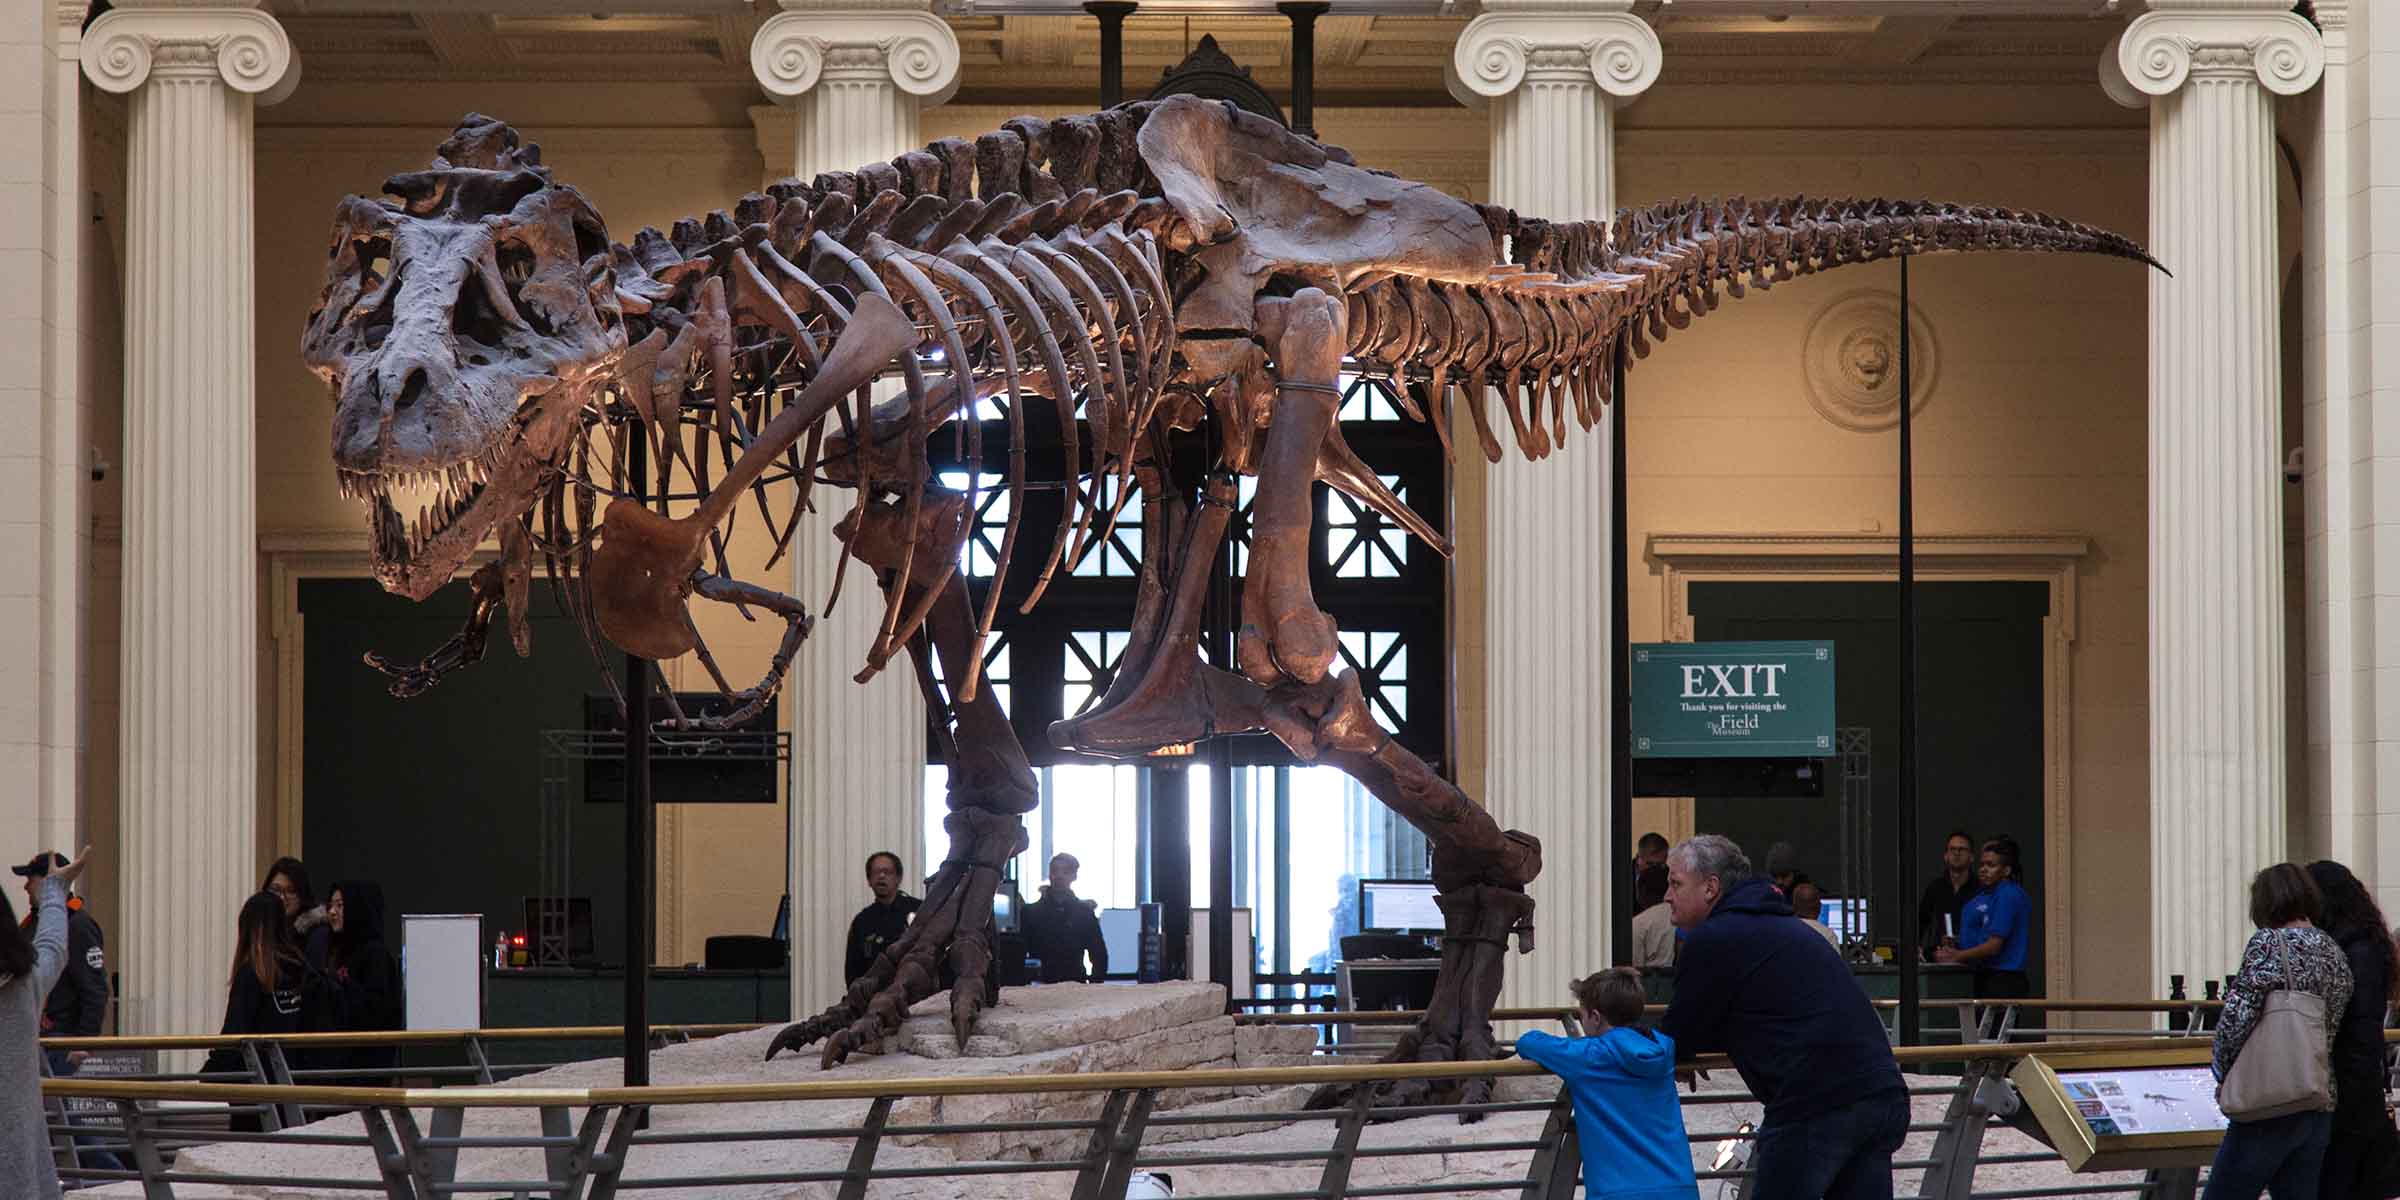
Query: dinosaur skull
pixel 1265 211
pixel 461 329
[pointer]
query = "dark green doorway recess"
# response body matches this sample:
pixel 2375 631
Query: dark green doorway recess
pixel 1979 724
pixel 439 798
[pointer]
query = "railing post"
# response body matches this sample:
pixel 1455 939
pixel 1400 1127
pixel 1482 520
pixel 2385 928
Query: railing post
pixel 440 1162
pixel 608 1165
pixel 862 1152
pixel 559 1163
pixel 279 1071
pixel 482 1061
pixel 582 1161
pixel 1108 1179
pixel 391 1160
pixel 1335 1183
pixel 1096 1151
pixel 146 1157
pixel 1960 1142
pixel 270 1116
pixel 1555 1167
pixel 2172 1183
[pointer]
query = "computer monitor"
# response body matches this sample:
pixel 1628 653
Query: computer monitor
pixel 1398 906
pixel 1846 916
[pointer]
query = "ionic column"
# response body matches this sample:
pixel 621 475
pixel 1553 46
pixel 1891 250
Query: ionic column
pixel 2209 71
pixel 1552 75
pixel 188 686
pixel 857 74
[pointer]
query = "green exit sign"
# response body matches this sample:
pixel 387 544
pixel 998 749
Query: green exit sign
pixel 1732 699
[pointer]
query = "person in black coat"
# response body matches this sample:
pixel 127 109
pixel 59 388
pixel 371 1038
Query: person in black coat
pixel 1061 928
pixel 365 978
pixel 1761 987
pixel 2364 1144
pixel 271 991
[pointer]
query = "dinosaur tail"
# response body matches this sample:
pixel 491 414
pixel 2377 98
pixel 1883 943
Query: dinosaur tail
pixel 1541 328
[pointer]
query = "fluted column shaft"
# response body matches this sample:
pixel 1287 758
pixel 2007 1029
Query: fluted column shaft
pixel 1552 75
pixel 188 684
pixel 857 76
pixel 2217 721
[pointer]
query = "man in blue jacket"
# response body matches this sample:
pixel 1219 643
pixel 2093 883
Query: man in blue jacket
pixel 1760 986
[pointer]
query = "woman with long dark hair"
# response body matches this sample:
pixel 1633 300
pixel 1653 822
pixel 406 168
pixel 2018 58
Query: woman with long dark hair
pixel 288 880
pixel 27 969
pixel 2363 1140
pixel 268 990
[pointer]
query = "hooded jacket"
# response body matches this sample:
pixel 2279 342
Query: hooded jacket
pixel 1759 985
pixel 366 978
pixel 1627 1120
pixel 79 1004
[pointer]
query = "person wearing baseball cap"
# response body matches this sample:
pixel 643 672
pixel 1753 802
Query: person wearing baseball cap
pixel 28 968
pixel 79 1004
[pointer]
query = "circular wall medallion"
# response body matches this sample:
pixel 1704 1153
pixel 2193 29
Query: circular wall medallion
pixel 1850 360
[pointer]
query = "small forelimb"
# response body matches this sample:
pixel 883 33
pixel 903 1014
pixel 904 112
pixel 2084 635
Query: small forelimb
pixel 465 648
pixel 747 702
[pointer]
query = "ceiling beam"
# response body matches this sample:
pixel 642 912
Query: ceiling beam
pixel 510 8
pixel 1898 41
pixel 463 39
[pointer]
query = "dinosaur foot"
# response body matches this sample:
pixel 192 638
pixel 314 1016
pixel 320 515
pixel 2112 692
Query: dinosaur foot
pixel 1457 1026
pixel 953 929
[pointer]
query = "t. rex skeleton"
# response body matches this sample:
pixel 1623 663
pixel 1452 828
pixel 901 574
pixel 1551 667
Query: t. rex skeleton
pixel 1165 266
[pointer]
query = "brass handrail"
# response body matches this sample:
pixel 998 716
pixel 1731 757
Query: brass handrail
pixel 385 1037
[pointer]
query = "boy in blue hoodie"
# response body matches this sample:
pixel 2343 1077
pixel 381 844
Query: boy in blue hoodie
pixel 1622 1078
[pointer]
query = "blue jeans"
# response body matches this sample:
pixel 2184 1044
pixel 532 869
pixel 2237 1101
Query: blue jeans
pixel 1842 1154
pixel 2278 1157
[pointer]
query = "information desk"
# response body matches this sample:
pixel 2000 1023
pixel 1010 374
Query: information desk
pixel 540 996
pixel 2124 1110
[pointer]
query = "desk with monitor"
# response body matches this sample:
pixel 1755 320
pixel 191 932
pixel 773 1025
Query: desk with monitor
pixel 1391 963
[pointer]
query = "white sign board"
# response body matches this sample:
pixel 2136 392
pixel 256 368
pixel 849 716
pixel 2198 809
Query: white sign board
pixel 441 969
pixel 2138 1100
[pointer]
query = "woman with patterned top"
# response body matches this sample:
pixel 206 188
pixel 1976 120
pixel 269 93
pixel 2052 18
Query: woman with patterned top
pixel 2281 1156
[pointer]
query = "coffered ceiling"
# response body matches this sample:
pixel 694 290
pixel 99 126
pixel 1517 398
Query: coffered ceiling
pixel 1374 52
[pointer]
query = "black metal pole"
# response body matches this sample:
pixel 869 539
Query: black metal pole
pixel 637 820
pixel 1620 679
pixel 1910 1017
pixel 1303 15
pixel 1170 856
pixel 1112 14
pixel 1220 780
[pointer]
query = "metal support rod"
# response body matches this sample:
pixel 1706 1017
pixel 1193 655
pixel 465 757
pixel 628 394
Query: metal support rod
pixel 1220 617
pixel 1169 851
pixel 1911 1019
pixel 1620 681
pixel 1303 15
pixel 638 866
pixel 1112 14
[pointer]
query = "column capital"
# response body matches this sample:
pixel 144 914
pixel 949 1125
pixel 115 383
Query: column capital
pixel 902 43
pixel 243 47
pixel 1598 41
pixel 2178 40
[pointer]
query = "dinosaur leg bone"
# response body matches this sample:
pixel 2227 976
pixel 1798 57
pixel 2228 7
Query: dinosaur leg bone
pixel 1481 870
pixel 1285 633
pixel 991 787
pixel 747 702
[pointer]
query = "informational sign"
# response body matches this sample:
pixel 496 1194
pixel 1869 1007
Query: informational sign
pixel 442 957
pixel 110 1064
pixel 1732 699
pixel 2124 1110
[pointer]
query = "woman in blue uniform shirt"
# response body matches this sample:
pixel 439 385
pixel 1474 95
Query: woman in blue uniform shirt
pixel 1997 926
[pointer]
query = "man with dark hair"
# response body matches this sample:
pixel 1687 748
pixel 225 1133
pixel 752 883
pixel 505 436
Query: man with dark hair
pixel 1621 1076
pixel 882 921
pixel 1947 893
pixel 1754 984
pixel 1808 904
pixel 1653 924
pixel 1995 931
pixel 1648 853
pixel 1061 928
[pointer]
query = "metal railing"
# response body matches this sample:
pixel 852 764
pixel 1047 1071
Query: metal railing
pixel 582 1141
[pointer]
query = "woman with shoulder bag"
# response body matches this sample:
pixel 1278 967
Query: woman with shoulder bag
pixel 2364 1148
pixel 2274 1044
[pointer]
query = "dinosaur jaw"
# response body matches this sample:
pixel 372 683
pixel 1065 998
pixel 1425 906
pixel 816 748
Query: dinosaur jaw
pixel 425 520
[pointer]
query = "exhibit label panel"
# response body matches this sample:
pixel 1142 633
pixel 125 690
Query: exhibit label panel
pixel 1732 699
pixel 2106 1112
